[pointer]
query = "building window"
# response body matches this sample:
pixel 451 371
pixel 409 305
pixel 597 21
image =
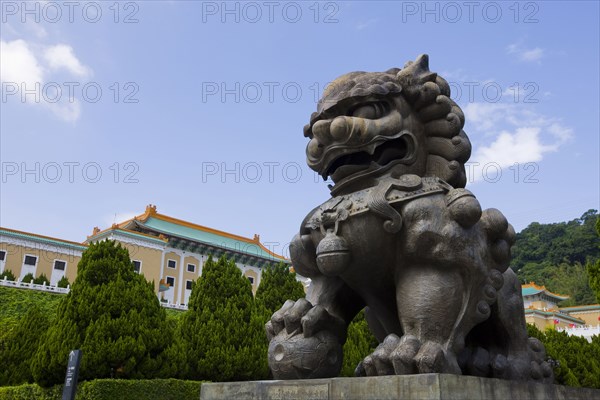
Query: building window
pixel 170 281
pixel 251 279
pixel 191 268
pixel 60 265
pixel 188 285
pixel 172 264
pixel 2 255
pixel 30 260
pixel 137 266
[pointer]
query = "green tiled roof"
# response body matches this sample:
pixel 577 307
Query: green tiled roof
pixel 590 307
pixel 530 291
pixel 210 238
pixel 42 239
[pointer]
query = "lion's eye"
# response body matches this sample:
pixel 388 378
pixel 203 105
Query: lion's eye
pixel 370 111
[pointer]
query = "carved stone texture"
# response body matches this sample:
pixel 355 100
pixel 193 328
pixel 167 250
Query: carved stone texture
pixel 403 238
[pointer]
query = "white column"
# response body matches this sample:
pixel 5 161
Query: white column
pixel 180 284
pixel 201 264
pixel 162 271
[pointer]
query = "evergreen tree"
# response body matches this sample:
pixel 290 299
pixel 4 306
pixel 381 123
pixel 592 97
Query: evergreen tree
pixel 576 362
pixel 28 278
pixel 112 315
pixel 8 274
pixel 277 285
pixel 40 280
pixel 19 347
pixel 359 344
pixel 63 282
pixel 222 332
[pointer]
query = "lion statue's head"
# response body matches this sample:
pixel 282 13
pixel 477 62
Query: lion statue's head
pixel 395 122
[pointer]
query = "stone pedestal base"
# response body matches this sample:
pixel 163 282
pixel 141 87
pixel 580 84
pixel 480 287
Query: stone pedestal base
pixel 407 387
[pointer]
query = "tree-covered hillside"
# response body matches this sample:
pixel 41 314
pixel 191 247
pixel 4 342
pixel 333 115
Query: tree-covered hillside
pixel 552 244
pixel 558 256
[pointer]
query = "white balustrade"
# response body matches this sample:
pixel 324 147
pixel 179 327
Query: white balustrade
pixel 55 289
pixel 585 331
pixel 33 286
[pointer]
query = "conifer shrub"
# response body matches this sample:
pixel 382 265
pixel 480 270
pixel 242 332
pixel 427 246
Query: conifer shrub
pixel 63 282
pixel 576 362
pixel 8 274
pixel 221 334
pixel 278 284
pixel 360 343
pixel 20 345
pixel 112 315
pixel 42 279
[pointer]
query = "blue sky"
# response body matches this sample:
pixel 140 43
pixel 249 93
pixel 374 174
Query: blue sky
pixel 198 107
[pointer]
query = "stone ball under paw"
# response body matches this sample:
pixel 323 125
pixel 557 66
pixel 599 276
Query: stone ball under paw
pixel 293 356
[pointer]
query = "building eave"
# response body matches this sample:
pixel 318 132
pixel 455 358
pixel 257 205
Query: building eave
pixel 42 239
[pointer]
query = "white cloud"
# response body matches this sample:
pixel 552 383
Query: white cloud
pixel 524 54
pixel 560 132
pixel 485 116
pixel 67 111
pixel 510 133
pixel 521 146
pixel 22 65
pixel 535 54
pixel 19 64
pixel 365 24
pixel 62 56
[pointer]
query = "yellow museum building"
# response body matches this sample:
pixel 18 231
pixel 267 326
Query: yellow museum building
pixel 166 250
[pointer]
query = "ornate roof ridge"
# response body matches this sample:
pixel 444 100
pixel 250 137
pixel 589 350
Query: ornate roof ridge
pixel 151 212
pixel 118 227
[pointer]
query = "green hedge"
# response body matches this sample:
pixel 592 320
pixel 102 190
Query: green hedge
pixel 111 389
pixel 30 392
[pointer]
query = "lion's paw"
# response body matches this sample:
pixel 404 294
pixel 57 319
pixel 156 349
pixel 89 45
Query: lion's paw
pixel 407 355
pixel 528 365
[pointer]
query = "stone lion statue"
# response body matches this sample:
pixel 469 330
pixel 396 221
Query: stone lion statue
pixel 401 238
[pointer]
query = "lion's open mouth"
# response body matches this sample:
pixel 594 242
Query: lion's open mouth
pixel 383 154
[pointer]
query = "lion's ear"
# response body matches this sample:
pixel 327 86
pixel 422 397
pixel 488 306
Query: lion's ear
pixel 421 63
pixel 415 76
